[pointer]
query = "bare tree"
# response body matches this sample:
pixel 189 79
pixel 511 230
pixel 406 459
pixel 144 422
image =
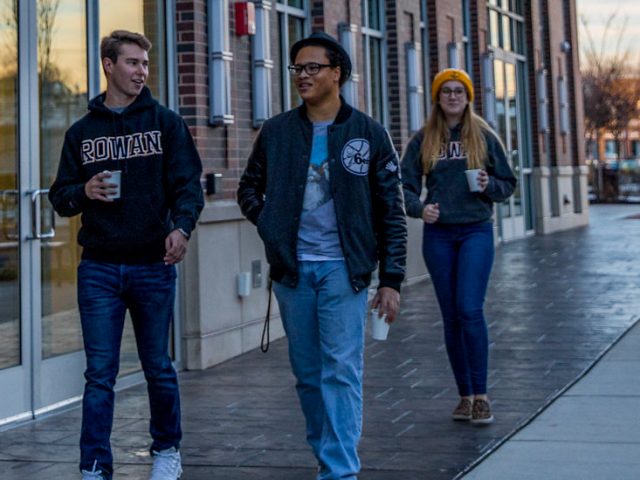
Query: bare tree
pixel 9 40
pixel 47 11
pixel 610 85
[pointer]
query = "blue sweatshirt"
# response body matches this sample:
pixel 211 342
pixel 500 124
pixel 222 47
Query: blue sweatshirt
pixel 160 186
pixel 447 183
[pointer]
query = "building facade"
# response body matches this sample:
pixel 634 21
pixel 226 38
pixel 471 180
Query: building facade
pixel 613 154
pixel 225 71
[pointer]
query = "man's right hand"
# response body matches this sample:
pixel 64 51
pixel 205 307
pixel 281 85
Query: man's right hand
pixel 431 213
pixel 97 189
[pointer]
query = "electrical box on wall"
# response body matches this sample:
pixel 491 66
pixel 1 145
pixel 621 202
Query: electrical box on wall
pixel 213 183
pixel 245 18
pixel 244 284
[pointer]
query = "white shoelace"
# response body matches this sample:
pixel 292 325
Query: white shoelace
pixel 93 474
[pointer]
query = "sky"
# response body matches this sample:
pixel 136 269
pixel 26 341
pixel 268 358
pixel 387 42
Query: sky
pixel 598 11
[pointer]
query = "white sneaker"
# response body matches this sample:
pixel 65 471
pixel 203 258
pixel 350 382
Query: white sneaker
pixel 167 465
pixel 93 474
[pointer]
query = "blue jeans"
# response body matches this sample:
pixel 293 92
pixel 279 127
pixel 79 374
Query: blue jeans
pixel 105 292
pixel 459 259
pixel 324 320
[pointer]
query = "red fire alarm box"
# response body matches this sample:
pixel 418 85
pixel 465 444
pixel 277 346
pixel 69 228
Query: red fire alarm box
pixel 245 18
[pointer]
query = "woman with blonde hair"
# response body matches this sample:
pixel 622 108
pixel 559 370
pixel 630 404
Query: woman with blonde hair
pixel 458 249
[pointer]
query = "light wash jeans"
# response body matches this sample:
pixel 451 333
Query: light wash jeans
pixel 324 319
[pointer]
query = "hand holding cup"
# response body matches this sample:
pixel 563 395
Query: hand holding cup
pixel 104 186
pixel 379 325
pixel 477 179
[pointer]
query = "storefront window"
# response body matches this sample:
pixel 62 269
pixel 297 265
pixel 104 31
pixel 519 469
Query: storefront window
pixel 506 26
pixel 373 42
pixel 9 259
pixel 292 25
pixel 62 76
pixel 611 149
pixel 148 18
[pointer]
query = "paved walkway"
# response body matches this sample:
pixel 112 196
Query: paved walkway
pixel 592 432
pixel 555 304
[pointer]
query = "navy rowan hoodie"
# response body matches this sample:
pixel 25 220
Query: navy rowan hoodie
pixel 447 183
pixel 160 187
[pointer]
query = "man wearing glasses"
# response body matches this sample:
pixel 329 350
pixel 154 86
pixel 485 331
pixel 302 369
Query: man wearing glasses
pixel 323 188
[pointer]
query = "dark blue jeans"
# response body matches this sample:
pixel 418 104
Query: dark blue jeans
pixel 105 292
pixel 459 259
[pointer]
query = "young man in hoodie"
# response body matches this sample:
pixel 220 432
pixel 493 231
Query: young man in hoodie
pixel 323 188
pixel 130 244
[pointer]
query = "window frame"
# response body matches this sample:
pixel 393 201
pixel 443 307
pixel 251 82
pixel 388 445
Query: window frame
pixel 262 64
pixel 283 12
pixel 220 58
pixel 94 67
pixel 369 33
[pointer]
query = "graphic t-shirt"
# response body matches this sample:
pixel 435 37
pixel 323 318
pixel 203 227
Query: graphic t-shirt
pixel 318 238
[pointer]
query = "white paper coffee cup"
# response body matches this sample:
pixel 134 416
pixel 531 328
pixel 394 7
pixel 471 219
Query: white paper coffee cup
pixel 115 178
pixel 472 179
pixel 379 327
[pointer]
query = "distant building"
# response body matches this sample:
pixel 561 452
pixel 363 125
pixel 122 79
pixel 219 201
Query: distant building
pixel 605 147
pixel 613 157
pixel 521 55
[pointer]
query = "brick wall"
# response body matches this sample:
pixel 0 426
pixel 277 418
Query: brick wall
pixel 478 38
pixel 225 148
pixel 534 63
pixel 448 28
pixel 403 26
pixel 548 58
pixel 575 86
pixel 557 63
pixel 317 15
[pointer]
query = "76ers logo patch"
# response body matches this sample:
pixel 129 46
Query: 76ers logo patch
pixel 355 156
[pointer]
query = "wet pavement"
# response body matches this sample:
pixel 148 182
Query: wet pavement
pixel 555 304
pixel 589 433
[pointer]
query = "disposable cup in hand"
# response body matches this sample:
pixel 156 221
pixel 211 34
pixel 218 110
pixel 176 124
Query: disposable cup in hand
pixel 472 179
pixel 379 326
pixel 115 178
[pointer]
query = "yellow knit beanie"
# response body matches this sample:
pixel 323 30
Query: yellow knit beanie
pixel 451 74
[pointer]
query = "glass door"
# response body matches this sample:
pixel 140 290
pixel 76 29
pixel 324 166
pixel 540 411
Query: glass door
pixel 15 361
pixel 63 93
pixel 509 127
pixel 44 89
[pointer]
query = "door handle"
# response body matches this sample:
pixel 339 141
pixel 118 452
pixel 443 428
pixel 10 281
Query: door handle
pixel 36 220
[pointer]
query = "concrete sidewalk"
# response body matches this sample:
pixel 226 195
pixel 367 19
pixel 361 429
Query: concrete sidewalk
pixel 591 432
pixel 555 304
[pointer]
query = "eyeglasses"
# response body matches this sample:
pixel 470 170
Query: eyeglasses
pixel 448 91
pixel 309 68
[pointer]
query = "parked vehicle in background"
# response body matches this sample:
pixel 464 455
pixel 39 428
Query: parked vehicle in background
pixel 614 180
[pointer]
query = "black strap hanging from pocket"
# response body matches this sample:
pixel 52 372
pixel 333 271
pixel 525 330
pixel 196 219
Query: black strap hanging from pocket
pixel 264 346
